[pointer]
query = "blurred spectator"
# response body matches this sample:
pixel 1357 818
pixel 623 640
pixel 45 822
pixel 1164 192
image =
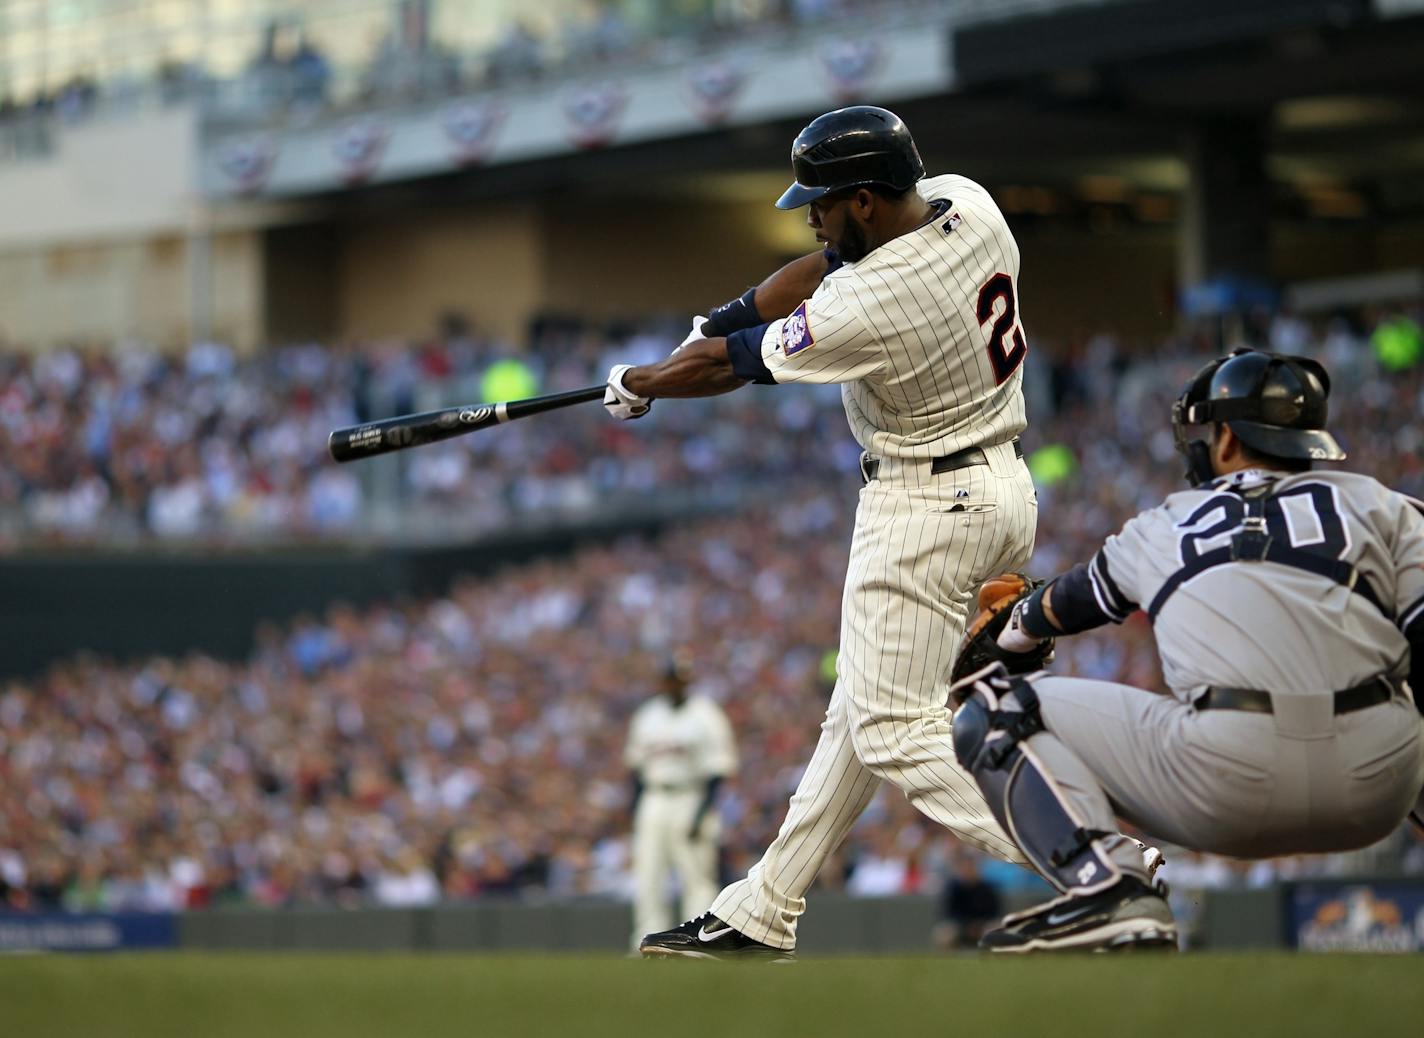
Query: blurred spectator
pixel 969 905
pixel 310 74
pixel 519 54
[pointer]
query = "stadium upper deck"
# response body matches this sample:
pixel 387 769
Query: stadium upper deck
pixel 1103 126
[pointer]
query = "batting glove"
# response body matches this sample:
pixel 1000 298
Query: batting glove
pixel 621 402
pixel 1013 638
pixel 695 335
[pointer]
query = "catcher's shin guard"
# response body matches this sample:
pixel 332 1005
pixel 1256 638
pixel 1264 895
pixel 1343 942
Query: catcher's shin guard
pixel 992 744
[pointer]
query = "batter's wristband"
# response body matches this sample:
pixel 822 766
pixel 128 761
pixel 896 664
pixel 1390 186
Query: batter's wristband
pixel 733 317
pixel 1033 621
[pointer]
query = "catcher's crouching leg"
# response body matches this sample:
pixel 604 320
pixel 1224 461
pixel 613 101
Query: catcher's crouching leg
pixel 992 730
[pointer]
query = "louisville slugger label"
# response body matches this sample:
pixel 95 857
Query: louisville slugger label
pixel 366 438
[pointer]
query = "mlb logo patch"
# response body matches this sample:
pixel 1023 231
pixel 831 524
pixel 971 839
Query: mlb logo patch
pixel 796 332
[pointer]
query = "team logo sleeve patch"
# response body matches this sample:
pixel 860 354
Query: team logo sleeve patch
pixel 796 332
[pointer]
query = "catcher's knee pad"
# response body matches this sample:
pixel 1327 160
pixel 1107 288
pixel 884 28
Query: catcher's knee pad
pixel 992 732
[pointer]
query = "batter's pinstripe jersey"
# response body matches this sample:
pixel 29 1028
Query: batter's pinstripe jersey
pixel 923 333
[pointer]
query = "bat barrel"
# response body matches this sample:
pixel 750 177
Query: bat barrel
pixel 413 430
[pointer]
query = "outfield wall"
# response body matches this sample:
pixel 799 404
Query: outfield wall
pixel 1373 915
pixel 835 924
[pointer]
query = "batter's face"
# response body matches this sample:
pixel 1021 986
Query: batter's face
pixel 841 220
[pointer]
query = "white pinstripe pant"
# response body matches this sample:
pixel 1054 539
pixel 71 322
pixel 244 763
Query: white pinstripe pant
pixel 922 546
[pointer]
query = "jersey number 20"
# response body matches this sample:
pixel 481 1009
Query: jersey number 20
pixel 1306 517
pixel 1002 356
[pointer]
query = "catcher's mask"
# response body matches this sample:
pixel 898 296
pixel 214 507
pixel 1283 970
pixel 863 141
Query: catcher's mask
pixel 1274 403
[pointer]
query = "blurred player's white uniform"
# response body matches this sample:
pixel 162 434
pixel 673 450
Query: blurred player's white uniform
pixel 924 336
pixel 675 748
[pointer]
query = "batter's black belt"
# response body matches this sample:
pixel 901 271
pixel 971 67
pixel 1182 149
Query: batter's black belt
pixel 870 467
pixel 1254 701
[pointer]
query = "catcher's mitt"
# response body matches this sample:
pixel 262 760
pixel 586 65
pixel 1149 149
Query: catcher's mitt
pixel 980 647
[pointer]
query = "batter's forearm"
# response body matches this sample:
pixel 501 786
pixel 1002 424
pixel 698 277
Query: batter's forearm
pixel 785 290
pixel 701 368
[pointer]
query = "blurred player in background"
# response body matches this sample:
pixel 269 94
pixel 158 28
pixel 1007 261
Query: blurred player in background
pixel 680 748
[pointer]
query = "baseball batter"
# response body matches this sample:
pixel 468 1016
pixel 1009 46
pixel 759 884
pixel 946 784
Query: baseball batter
pixel 913 309
pixel 1288 607
pixel 680 748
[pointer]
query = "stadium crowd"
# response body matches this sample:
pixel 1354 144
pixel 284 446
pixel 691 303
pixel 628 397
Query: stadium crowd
pixel 130 445
pixel 470 745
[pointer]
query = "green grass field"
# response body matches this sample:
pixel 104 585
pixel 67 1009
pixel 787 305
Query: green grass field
pixel 335 996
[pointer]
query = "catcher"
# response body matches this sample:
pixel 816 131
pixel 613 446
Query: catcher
pixel 1288 607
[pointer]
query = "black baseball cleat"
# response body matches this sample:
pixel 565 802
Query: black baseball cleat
pixel 1128 915
pixel 707 937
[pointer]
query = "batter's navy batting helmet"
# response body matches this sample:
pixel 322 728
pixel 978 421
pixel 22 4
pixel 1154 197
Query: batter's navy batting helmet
pixel 851 147
pixel 1275 404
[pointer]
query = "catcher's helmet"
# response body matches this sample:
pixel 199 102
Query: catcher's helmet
pixel 1274 403
pixel 851 147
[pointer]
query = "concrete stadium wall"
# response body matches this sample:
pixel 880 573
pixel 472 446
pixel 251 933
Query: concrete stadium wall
pixel 499 262
pixel 1319 249
pixel 131 176
pixel 606 257
pixel 1075 283
pixel 397 276
pixel 146 287
pixel 661 254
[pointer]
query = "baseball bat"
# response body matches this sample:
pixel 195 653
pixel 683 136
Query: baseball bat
pixel 415 430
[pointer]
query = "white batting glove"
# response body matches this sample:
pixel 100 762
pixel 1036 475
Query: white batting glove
pixel 1013 638
pixel 621 402
pixel 695 335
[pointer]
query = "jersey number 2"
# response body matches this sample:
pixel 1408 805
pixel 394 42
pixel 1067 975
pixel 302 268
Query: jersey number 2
pixel 1002 356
